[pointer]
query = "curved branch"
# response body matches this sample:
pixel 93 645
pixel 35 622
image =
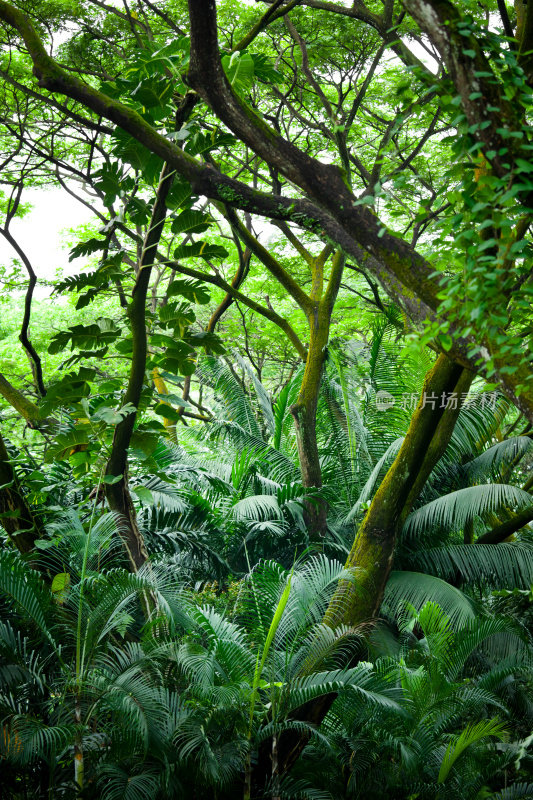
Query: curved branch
pixel 26 408
pixel 35 360
pixel 507 528
pixel 268 313
pixel 236 283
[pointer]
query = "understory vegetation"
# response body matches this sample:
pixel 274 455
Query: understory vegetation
pixel 266 440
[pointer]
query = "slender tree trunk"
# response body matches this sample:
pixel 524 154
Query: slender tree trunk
pixel 79 767
pixel 118 494
pixel 304 412
pixel 305 409
pixel 15 514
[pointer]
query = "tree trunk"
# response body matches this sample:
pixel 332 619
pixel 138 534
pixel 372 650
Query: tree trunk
pixel 428 436
pixel 117 493
pixel 372 553
pixel 15 514
pixel 304 413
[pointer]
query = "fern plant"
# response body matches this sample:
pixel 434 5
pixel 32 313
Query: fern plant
pixel 454 732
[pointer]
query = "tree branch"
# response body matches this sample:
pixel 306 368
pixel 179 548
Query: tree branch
pixel 507 528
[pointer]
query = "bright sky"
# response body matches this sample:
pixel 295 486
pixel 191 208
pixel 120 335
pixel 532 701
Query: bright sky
pixel 41 232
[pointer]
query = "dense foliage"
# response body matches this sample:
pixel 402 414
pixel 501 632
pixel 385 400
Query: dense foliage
pixel 266 444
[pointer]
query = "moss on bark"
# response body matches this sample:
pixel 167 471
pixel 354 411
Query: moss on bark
pixel 373 549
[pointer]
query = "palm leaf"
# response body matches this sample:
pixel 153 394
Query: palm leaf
pixel 26 589
pixel 257 507
pixel 472 733
pixel 517 791
pixel 416 589
pixel 502 565
pixel 501 453
pixel 216 373
pixel 454 510
pixel 262 395
pixel 370 485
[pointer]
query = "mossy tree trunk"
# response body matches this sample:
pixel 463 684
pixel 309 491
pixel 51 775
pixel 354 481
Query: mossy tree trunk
pixel 317 305
pixel 304 410
pixel 372 553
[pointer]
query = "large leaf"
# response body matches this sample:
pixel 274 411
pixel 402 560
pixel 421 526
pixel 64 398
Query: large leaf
pixel 454 510
pixel 192 290
pixel 86 337
pixel 471 734
pixel 203 250
pixel 191 221
pixel 416 589
pixel 502 565
pixel 237 406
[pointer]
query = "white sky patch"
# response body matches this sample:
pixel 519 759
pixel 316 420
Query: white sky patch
pixel 41 232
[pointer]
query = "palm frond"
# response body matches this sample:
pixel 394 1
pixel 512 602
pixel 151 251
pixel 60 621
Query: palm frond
pixel 476 424
pixel 471 734
pixel 117 783
pixel 370 485
pixel 257 507
pixel 263 397
pixel 216 373
pixel 25 588
pixel 416 589
pixel 517 791
pixel 452 511
pixel 501 453
pixel 502 565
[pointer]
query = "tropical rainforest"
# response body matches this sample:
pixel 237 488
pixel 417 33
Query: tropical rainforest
pixel 266 462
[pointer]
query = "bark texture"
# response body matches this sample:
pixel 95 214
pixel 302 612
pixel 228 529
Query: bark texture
pixel 372 553
pixel 15 514
pixel 428 435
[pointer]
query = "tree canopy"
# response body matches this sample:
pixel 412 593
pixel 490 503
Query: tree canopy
pixel 295 333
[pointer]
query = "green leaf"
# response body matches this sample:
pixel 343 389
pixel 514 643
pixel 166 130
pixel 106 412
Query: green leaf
pixel 86 337
pixel 66 443
pixel 60 586
pixel 179 196
pixel 144 494
pixel 206 339
pixel 87 248
pixel 110 480
pixel 191 221
pixel 167 411
pixel 177 316
pixel 200 250
pixel 240 70
pixel 471 734
pixel 112 416
pixel 190 289
pixel 446 341
pixel 264 69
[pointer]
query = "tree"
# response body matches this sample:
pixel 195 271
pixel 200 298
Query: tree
pixel 328 207
pixel 367 178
